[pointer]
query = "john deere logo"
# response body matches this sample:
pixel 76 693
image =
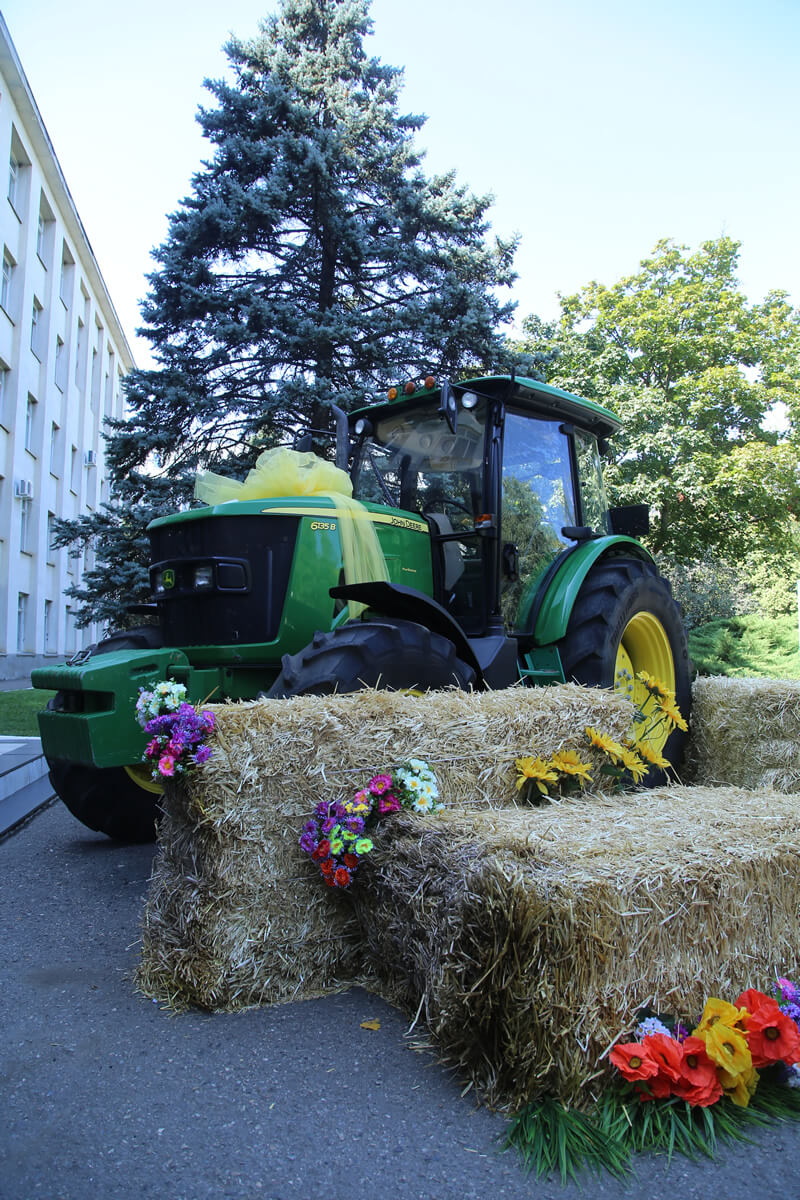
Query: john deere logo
pixel 168 579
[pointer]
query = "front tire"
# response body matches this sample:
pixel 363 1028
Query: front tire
pixel 625 621
pixel 121 802
pixel 398 655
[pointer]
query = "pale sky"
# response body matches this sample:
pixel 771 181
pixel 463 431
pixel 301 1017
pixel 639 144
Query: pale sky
pixel 598 127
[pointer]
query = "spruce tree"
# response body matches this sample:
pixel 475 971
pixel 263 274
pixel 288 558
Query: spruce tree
pixel 313 262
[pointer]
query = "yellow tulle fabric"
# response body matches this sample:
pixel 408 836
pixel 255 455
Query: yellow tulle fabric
pixel 283 472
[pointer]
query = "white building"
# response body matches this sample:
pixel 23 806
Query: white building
pixel 63 355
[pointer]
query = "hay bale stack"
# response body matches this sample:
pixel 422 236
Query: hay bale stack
pixel 745 732
pixel 529 939
pixel 236 914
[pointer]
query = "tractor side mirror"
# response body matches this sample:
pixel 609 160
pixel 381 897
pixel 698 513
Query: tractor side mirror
pixel 448 406
pixel 632 520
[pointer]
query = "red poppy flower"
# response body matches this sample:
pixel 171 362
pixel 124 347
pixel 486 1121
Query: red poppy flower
pixel 351 861
pixel 322 850
pixel 772 1036
pixel 331 882
pixel 668 1056
pixel 342 877
pixel 633 1061
pixel 327 867
pixel 698 1084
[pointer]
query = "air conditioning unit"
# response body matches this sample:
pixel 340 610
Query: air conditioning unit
pixel 23 488
pixel 90 458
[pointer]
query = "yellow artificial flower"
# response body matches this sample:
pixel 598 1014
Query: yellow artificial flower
pixel 604 742
pixel 655 685
pixel 717 1011
pixel 633 764
pixel 671 711
pixel 568 763
pixel 536 769
pixel 741 1087
pixel 651 755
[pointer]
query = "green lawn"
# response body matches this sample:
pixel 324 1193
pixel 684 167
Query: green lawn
pixel 18 711
pixel 760 646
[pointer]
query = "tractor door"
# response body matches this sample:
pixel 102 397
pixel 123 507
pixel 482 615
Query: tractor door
pixel 538 502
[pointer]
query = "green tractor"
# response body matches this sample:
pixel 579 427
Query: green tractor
pixel 503 560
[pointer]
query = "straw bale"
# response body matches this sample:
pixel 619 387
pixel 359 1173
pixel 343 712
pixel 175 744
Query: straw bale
pixel 745 732
pixel 236 913
pixel 527 940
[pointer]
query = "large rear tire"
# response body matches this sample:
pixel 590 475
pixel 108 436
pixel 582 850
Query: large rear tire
pixel 398 655
pixel 121 802
pixel 625 621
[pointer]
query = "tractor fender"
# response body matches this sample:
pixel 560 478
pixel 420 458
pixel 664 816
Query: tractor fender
pixel 556 598
pixel 387 599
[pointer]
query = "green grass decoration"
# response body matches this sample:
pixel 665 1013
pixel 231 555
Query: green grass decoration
pixel 18 709
pixel 550 1137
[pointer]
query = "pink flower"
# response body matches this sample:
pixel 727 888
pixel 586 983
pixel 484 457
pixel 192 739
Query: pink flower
pixel 388 804
pixel 166 765
pixel 152 748
pixel 379 784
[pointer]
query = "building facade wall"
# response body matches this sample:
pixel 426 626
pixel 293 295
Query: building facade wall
pixel 63 356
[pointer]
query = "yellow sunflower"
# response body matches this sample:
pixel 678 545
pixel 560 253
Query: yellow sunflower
pixel 537 770
pixel 655 685
pixel 651 755
pixel 604 742
pixel 568 763
pixel 671 711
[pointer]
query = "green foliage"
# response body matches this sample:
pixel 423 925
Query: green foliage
pixel 549 1136
pixel 753 645
pixel 18 709
pixel 693 371
pixel 312 262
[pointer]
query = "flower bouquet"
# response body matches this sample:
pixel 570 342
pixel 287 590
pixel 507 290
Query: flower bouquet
pixel 177 731
pixel 677 1090
pixel 336 837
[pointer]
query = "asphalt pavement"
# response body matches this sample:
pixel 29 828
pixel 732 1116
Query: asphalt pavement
pixel 106 1095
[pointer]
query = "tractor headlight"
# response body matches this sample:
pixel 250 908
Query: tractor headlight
pixel 204 578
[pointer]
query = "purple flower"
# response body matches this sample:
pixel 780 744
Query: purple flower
pixel 328 824
pixel 203 754
pixel 790 993
pixel 308 843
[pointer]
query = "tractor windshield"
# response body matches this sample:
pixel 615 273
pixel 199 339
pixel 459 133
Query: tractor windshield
pixel 413 461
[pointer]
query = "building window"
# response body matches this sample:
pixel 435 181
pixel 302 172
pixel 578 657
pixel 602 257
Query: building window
pixel 14 168
pixel 72 631
pixel 60 364
pixel 18 164
pixel 5 396
pixel 24 525
pixel 55 447
pixel 48 626
pixel 6 281
pixel 51 534
pixel 37 324
pixel 22 622
pixel 80 347
pixel 73 469
pixel 45 233
pixel 30 424
pixel 67 276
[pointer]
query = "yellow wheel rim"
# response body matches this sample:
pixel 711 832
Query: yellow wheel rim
pixel 142 778
pixel 644 646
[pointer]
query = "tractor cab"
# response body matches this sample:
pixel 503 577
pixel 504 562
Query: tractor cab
pixel 507 474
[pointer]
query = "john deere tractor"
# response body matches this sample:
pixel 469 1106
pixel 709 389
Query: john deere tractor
pixel 503 563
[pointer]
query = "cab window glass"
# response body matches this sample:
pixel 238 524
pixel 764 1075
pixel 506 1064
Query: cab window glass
pixel 593 495
pixel 538 502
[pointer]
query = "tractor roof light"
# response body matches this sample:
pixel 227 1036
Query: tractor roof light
pixel 469 400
